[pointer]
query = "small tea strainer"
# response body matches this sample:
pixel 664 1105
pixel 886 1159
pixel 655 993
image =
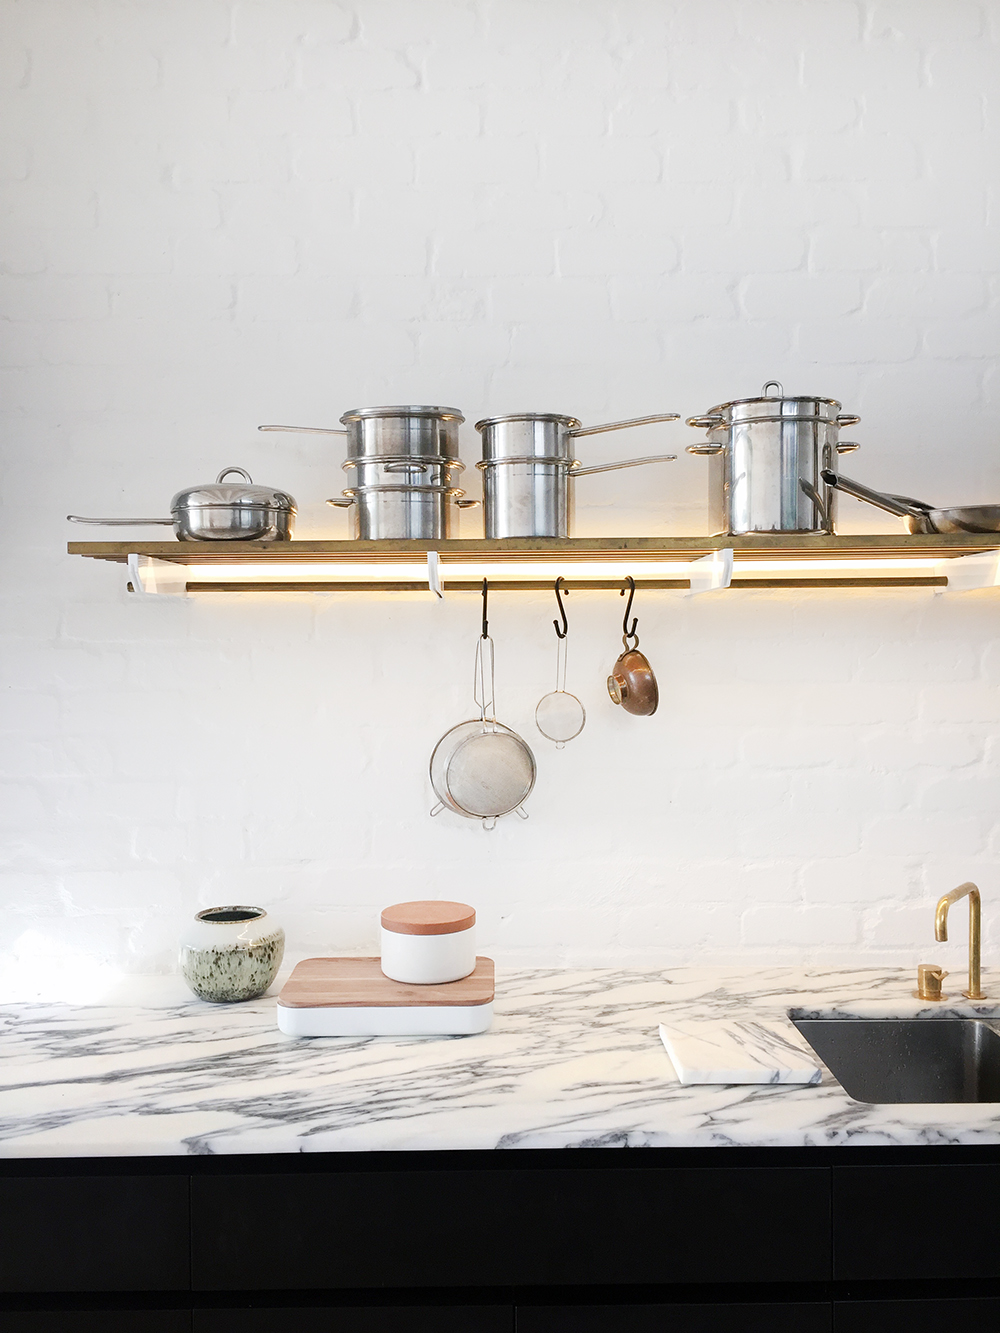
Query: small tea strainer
pixel 560 715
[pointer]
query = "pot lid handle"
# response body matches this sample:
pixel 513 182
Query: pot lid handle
pixel 228 471
pixel 772 384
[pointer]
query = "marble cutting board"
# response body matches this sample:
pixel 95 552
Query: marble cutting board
pixel 739 1051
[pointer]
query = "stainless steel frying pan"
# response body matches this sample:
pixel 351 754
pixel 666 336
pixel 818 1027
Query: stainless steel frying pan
pixel 920 516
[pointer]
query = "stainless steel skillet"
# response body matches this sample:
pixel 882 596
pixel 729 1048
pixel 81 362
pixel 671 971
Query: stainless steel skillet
pixel 920 517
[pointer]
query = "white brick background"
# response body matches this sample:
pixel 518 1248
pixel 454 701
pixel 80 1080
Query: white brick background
pixel 221 213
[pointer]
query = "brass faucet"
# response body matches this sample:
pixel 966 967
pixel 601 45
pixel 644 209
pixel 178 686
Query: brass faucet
pixel 975 931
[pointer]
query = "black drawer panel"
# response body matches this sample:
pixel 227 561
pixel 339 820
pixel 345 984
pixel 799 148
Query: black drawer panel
pixel 96 1321
pixel 357 1319
pixel 755 1318
pixel 94 1233
pixel 511 1227
pixel 979 1313
pixel 895 1222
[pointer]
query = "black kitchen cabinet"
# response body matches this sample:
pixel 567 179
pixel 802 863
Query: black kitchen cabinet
pixel 592 1240
pixel 94 1233
pixel 358 1319
pixel 798 1317
pixel 95 1321
pixel 958 1313
pixel 511 1228
pixel 916 1222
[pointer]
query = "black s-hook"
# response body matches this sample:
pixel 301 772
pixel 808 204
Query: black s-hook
pixel 626 632
pixel 486 623
pixel 561 633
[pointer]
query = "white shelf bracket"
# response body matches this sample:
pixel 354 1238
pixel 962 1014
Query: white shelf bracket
pixel 434 574
pixel 155 578
pixel 712 572
pixel 965 573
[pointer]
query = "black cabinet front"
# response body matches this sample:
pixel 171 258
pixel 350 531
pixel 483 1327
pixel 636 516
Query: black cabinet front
pixel 916 1222
pixel 355 1319
pixel 957 1314
pixel 735 1318
pixel 94 1233
pixel 95 1321
pixel 510 1228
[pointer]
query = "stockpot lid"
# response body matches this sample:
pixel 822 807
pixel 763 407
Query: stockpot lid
pixel 776 398
pixel 781 403
pixel 436 413
pixel 228 495
pixel 428 918
pixel 571 423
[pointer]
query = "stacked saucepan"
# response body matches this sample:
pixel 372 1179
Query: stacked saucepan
pixel 404 459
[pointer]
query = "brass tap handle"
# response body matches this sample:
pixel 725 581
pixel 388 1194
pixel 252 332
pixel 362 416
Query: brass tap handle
pixel 929 979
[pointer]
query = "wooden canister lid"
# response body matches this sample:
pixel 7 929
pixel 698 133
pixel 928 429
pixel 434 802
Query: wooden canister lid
pixel 428 918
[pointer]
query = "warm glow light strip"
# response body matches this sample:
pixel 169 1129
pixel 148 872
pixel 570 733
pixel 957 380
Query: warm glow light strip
pixel 534 571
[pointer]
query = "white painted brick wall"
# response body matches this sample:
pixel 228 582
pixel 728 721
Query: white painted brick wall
pixel 233 211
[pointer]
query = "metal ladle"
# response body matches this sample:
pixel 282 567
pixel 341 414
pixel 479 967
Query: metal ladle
pixel 560 716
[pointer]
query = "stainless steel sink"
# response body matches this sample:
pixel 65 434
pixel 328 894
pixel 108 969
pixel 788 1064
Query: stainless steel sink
pixel 909 1059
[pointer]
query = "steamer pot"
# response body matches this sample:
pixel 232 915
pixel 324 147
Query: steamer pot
pixel 528 460
pixel 402 463
pixel 767 459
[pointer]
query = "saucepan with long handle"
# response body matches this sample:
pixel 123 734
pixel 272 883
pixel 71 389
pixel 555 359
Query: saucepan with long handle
pixel 919 516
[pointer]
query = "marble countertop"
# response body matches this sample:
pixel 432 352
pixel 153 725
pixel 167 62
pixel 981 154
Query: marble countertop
pixel 573 1059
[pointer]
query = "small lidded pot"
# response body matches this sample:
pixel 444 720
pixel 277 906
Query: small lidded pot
pixel 427 943
pixel 231 953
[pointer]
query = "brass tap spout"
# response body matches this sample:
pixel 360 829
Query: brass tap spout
pixel 975 932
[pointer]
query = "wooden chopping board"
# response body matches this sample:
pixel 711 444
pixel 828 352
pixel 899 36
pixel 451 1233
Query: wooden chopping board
pixel 359 983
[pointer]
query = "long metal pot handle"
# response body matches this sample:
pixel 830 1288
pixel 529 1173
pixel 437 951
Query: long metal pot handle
pixel 892 504
pixel 628 462
pixel 122 522
pixel 349 500
pixel 621 425
pixel 307 430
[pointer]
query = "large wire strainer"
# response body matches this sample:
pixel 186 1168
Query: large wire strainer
pixel 482 769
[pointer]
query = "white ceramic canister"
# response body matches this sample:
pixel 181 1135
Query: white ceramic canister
pixel 230 954
pixel 427 943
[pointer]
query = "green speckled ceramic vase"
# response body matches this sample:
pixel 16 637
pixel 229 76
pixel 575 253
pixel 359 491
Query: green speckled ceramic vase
pixel 231 953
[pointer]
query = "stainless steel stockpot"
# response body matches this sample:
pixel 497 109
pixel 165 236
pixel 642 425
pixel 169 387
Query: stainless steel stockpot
pixel 528 460
pixel 221 511
pixel 768 456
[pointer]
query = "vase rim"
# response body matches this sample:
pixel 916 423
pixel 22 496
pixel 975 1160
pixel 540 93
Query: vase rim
pixel 230 916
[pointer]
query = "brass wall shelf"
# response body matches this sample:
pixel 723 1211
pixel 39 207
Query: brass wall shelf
pixel 762 560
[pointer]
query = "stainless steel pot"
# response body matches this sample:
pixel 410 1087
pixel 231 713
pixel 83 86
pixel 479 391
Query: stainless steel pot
pixel 768 454
pixel 221 511
pixel 408 431
pixel 527 465
pixel 403 462
pixel 921 517
pixel 418 513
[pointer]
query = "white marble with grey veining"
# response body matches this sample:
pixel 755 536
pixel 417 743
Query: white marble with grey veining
pixel 739 1050
pixel 573 1059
